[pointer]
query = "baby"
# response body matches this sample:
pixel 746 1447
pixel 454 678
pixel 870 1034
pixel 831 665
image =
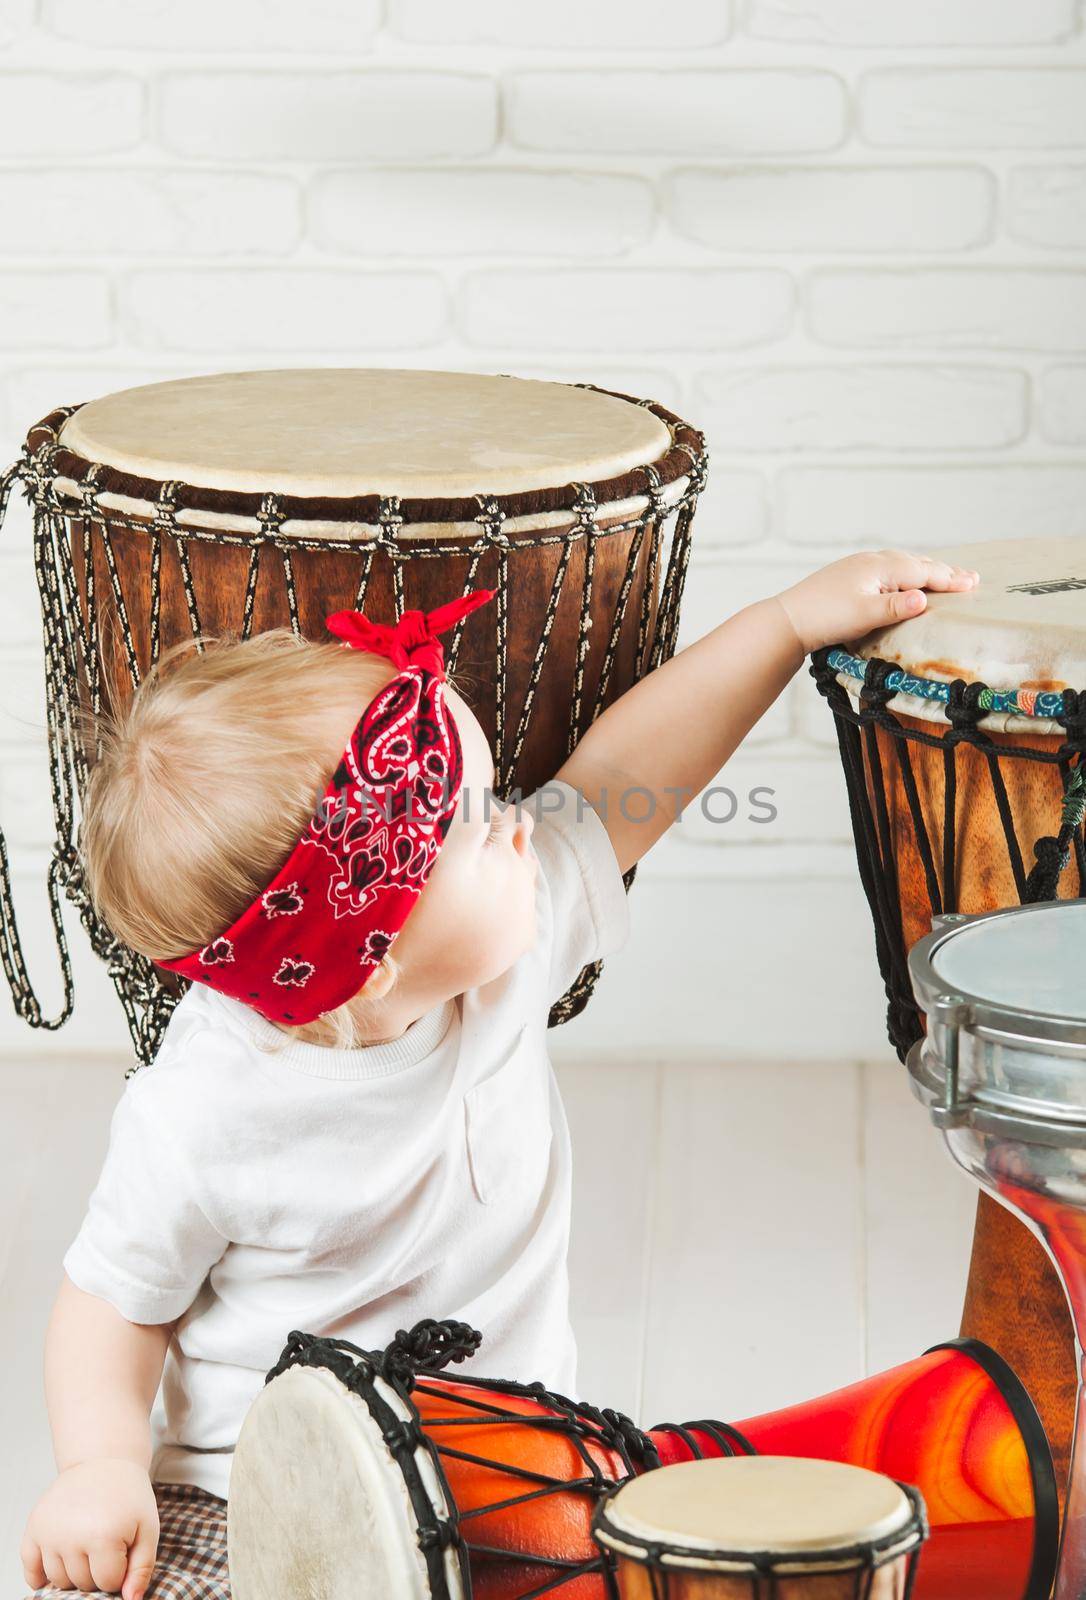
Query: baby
pixel 352 1122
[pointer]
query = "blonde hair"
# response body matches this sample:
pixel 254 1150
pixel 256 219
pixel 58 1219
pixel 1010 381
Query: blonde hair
pixel 205 783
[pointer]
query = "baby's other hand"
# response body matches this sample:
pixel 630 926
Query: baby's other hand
pixel 95 1527
pixel 851 597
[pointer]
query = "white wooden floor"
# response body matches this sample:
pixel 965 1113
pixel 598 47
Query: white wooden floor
pixel 744 1235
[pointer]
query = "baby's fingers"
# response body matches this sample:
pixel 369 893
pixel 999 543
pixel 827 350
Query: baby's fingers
pixel 55 1570
pixel 902 569
pixel 141 1562
pixel 33 1570
pixel 108 1562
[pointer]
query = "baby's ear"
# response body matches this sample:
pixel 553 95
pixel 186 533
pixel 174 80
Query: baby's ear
pixel 380 981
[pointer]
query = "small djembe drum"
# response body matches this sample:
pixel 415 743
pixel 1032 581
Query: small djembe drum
pixel 962 733
pixel 1003 1071
pixel 381 1473
pixel 245 501
pixel 754 1527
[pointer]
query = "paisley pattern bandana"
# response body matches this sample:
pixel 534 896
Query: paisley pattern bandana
pixel 317 932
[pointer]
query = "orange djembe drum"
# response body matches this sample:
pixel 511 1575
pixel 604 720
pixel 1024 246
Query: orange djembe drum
pixel 245 501
pixel 381 1473
pixel 962 735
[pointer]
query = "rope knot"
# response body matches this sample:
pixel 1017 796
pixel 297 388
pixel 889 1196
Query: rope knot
pixel 1074 716
pixel 429 1346
pixel 963 708
pixel 875 691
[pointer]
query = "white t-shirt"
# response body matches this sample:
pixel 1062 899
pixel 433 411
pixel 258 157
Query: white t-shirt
pixel 352 1192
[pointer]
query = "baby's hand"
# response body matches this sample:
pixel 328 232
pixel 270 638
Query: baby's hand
pixel 849 598
pixel 95 1527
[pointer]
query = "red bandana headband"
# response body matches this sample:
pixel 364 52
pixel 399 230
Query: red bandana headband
pixel 315 935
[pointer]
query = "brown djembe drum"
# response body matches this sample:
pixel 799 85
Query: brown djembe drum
pixel 239 502
pixel 963 734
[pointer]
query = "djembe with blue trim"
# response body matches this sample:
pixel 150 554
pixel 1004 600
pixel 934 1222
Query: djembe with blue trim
pixel 963 737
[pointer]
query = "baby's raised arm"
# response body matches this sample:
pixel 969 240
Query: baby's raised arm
pixel 96 1526
pixel 668 736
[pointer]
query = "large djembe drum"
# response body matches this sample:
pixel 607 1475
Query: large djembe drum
pixel 244 501
pixel 962 733
pixel 382 1473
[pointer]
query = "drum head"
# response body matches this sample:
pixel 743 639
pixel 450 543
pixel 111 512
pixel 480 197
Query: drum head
pixel 318 1506
pixel 1024 625
pixel 1033 963
pixel 343 431
pixel 734 1513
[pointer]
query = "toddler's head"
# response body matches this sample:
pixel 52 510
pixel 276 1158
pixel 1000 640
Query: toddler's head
pixel 211 775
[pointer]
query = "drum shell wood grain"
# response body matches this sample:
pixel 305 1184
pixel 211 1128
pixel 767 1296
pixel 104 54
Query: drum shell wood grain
pixel 1014 1299
pixel 327 580
pixel 637 1581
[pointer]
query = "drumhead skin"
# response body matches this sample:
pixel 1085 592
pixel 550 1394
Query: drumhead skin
pixel 1034 963
pixel 1023 627
pixel 318 1506
pixel 729 1514
pixel 346 431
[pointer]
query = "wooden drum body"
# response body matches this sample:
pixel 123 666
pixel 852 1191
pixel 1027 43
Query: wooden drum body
pixel 245 501
pixel 962 735
pixel 746 1527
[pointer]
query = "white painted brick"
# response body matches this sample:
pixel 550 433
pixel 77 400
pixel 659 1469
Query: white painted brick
pixel 850 408
pixel 662 113
pixel 640 382
pixel 914 22
pixel 34 391
pixel 609 25
pixel 22 700
pixel 1063 405
pixel 834 209
pixel 869 507
pixel 48 113
pixel 632 310
pixel 94 211
pixel 288 310
pixel 717 587
pixel 25 812
pixel 733 509
pixel 65 309
pixel 481 213
pixel 20 608
pixel 1047 205
pixel 328 116
pixel 16 18
pixel 773 794
pixel 950 308
pixel 246 25
pixel 997 108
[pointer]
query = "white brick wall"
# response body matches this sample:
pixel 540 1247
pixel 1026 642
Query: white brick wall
pixel 846 236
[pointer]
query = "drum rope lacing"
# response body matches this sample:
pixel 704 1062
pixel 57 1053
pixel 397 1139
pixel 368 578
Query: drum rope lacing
pixel 414 1364
pixel 966 705
pixel 770 1569
pixel 87 635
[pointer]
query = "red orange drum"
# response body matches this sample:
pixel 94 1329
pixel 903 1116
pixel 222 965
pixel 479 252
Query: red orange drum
pixel 380 1473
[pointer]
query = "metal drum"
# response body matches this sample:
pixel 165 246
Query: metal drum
pixel 1003 1072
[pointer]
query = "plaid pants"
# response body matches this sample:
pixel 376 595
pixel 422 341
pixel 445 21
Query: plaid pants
pixel 191 1560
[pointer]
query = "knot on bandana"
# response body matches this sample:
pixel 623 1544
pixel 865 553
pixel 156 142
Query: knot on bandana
pixel 412 641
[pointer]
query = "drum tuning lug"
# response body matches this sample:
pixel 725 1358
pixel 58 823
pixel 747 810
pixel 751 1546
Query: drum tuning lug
pixel 950 1009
